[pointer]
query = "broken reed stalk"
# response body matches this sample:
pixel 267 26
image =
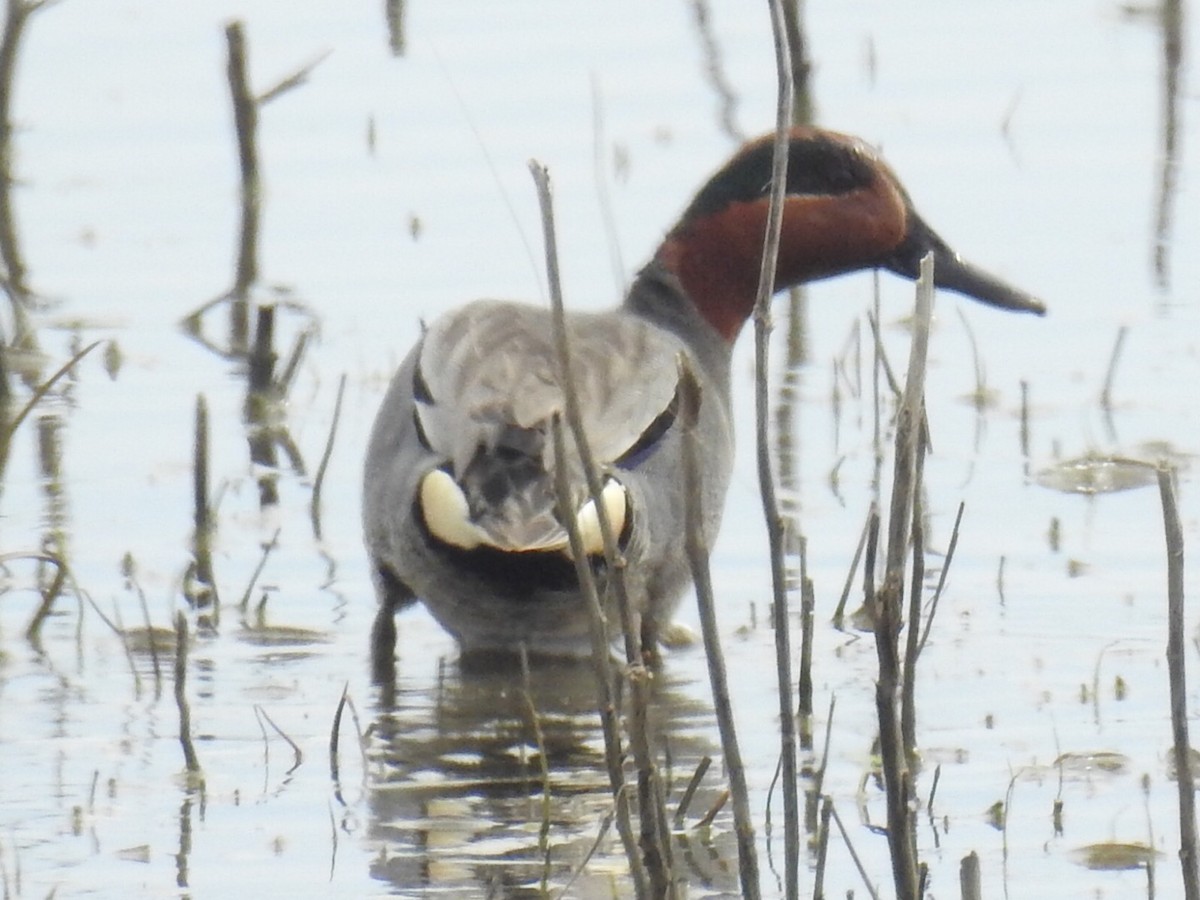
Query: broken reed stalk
pixel 766 483
pixel 655 829
pixel 327 453
pixel 690 791
pixel 1176 675
pixel 890 599
pixel 610 724
pixel 185 715
pixel 263 357
pixel 203 512
pixel 697 551
pixel 969 878
pixel 245 120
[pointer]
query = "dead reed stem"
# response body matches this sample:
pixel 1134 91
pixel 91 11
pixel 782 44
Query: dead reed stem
pixel 890 602
pixel 774 521
pixel 655 830
pixel 610 724
pixel 1176 674
pixel 697 552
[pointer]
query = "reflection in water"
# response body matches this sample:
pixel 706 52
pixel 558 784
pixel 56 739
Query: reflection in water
pixel 394 14
pixel 714 70
pixel 456 790
pixel 1172 29
pixel 264 414
pixel 17 16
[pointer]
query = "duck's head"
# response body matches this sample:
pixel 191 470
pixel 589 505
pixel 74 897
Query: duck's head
pixel 844 210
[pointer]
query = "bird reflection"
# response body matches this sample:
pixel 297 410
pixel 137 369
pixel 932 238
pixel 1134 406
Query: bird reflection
pixel 490 783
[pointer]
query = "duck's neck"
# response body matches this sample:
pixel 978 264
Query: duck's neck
pixel 658 296
pixel 717 257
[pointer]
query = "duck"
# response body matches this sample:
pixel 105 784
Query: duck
pixel 459 509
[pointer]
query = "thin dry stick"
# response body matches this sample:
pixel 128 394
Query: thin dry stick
pixel 151 643
pixel 697 553
pixel 711 815
pixel 334 738
pixel 297 754
pixel 574 419
pixel 818 780
pixel 766 483
pixel 543 768
pixel 137 679
pixel 1176 674
pixel 937 593
pixel 1111 375
pixel 614 755
pixel 839 613
pixel 295 80
pixel 319 480
pixel 690 791
pixel 605 824
pixel 655 829
pixel 185 716
pixel 862 872
pixel 267 548
pixel 822 850
pixel 45 387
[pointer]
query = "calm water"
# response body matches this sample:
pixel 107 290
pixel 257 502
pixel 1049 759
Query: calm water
pixel 395 187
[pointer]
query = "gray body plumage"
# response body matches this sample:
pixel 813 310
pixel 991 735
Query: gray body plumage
pixel 475 398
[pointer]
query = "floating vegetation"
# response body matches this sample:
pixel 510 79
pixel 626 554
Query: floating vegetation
pixel 1097 474
pixel 1105 762
pixel 1114 856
